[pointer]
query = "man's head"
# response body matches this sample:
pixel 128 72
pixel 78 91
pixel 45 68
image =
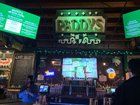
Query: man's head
pixel 134 66
pixel 30 79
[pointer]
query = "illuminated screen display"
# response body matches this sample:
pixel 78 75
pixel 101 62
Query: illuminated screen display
pixel 79 68
pixel 131 22
pixel 50 73
pixel 19 22
pixel 43 88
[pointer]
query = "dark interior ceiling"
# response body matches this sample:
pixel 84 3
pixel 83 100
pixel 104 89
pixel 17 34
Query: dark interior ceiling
pixel 113 10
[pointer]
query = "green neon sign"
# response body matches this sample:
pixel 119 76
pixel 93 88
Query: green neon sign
pixel 80 24
pixel 80 21
pixel 80 39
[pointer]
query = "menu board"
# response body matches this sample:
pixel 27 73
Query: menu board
pixel 23 66
pixel 19 22
pixel 131 22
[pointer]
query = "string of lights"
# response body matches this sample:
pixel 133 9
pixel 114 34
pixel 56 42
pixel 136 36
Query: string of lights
pixel 91 52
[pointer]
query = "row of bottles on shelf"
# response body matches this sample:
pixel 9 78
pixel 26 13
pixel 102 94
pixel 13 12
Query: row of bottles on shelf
pixel 5 66
pixel 56 90
pixel 79 91
pixel 79 83
pixel 72 90
pixel 15 86
pixel 4 76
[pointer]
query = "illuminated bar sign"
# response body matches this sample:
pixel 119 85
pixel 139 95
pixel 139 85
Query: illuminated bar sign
pixel 80 39
pixel 80 26
pixel 80 21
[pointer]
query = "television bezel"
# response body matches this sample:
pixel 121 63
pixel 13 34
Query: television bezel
pixel 71 78
pixel 19 34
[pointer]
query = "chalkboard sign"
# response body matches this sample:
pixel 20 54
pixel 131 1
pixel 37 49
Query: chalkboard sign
pixel 23 66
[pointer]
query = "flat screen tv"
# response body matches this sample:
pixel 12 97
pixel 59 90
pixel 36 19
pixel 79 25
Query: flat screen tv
pixel 43 88
pixel 131 23
pixel 79 68
pixel 18 22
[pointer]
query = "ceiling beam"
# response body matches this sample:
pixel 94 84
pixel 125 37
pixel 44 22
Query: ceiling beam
pixel 59 5
pixel 65 1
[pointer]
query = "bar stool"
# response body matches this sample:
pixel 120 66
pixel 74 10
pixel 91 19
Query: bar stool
pixel 93 101
pixel 107 101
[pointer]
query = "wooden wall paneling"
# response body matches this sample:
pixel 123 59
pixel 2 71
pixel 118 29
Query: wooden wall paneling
pixel 113 10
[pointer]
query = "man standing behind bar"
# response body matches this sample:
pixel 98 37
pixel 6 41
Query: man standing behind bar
pixel 128 93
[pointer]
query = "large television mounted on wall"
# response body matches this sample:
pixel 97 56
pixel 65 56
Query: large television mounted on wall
pixel 80 68
pixel 131 23
pixel 18 22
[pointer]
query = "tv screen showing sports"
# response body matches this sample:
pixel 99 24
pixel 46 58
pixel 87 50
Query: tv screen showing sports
pixel 131 22
pixel 18 22
pixel 79 68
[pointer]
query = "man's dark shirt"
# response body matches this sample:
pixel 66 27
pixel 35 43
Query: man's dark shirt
pixel 128 93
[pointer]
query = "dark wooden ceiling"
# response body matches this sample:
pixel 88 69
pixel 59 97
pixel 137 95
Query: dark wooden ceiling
pixel 113 10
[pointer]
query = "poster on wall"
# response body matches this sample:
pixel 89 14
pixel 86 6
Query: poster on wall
pixel 84 27
pixel 23 66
